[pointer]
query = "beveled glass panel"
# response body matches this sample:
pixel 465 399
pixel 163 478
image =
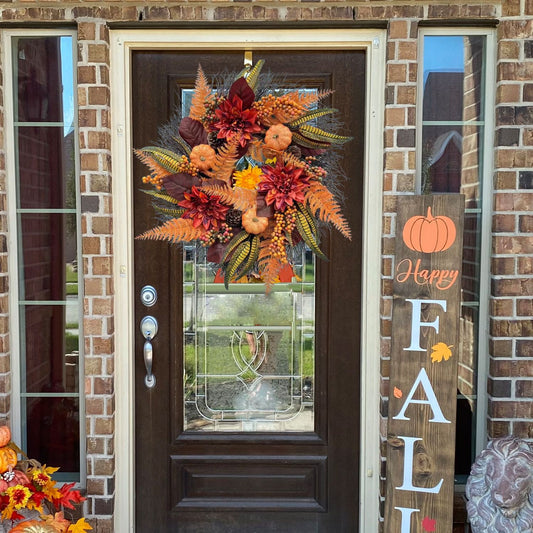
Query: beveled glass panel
pixel 53 432
pixel 48 252
pixel 46 167
pixel 249 356
pixel 51 348
pixel 44 81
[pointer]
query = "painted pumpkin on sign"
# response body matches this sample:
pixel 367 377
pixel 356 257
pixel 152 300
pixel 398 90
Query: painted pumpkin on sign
pixel 429 234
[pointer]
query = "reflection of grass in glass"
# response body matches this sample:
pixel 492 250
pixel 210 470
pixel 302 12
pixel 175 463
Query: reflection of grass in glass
pixel 71 280
pixel 72 275
pixel 71 342
pixel 72 289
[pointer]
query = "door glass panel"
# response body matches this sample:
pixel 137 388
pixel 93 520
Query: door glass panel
pixel 249 356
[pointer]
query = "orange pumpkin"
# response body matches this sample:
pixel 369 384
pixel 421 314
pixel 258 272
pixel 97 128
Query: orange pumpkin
pixel 278 137
pixel 252 223
pixel 33 526
pixel 5 435
pixel 203 156
pixel 429 234
pixel 8 459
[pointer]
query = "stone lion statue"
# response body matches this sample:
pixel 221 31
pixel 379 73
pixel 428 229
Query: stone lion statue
pixel 500 488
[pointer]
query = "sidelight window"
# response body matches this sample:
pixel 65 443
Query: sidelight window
pixel 454 157
pixel 45 253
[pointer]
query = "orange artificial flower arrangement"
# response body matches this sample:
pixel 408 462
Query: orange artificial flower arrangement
pixel 248 174
pixel 28 485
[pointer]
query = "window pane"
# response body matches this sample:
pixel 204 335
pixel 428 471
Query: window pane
pixel 53 432
pixel 43 84
pixel 51 348
pixel 48 251
pixel 46 164
pixel 453 78
pixel 452 161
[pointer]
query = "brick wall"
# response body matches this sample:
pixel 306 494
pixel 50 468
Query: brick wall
pixel 511 349
pixel 511 366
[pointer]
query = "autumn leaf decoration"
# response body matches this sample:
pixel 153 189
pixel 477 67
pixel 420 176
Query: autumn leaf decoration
pixel 225 164
pixel 440 351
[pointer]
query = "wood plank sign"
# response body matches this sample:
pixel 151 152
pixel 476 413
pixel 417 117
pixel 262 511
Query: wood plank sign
pixel 423 366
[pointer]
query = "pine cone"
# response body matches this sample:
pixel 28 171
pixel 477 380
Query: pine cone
pixel 294 150
pixel 214 141
pixel 233 218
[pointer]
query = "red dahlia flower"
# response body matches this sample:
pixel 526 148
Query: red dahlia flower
pixel 203 209
pixel 284 185
pixel 234 121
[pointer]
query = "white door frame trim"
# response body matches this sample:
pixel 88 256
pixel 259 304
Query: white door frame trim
pixel 373 41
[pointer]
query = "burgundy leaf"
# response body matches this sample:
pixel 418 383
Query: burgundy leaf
pixel 192 131
pixel 177 184
pixel 263 210
pixel 215 252
pixel 241 89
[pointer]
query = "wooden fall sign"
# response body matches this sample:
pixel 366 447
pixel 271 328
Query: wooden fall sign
pixel 423 366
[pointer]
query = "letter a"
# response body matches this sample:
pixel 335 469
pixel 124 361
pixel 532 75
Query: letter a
pixel 416 324
pixel 423 379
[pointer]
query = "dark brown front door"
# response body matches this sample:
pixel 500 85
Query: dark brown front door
pixel 291 463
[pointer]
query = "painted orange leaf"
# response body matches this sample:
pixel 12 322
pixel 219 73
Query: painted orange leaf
pixel 397 392
pixel 57 521
pixel 428 524
pixel 441 351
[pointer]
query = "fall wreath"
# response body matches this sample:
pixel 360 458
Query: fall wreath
pixel 246 175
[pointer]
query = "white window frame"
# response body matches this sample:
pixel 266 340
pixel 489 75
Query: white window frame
pixel 486 204
pixel 13 255
pixel 123 42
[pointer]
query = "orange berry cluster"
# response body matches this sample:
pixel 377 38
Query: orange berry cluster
pixel 223 234
pixel 282 108
pixel 184 166
pixel 314 171
pixel 284 223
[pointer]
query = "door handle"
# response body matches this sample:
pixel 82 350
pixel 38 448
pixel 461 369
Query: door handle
pixel 149 331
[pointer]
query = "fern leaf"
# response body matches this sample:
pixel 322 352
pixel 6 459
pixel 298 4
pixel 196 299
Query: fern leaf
pixel 156 169
pixel 269 266
pixel 175 230
pixel 307 99
pixel 241 199
pixel 323 205
pixel 225 162
pixel 167 159
pixel 312 132
pixel 161 196
pixel 201 97
pixel 311 116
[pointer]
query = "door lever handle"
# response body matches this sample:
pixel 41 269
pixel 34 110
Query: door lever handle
pixel 149 330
